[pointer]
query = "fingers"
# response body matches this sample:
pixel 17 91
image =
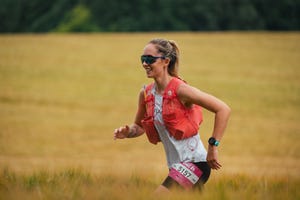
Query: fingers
pixel 214 164
pixel 115 134
pixel 121 132
pixel 212 157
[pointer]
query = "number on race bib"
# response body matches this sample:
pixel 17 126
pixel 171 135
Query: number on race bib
pixel 186 174
pixel 184 171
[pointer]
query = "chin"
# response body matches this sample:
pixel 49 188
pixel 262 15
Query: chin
pixel 149 76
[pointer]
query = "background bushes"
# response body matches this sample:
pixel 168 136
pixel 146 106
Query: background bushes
pixel 147 15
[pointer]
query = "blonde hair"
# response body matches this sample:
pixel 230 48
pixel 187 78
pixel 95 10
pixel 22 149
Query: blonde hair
pixel 169 49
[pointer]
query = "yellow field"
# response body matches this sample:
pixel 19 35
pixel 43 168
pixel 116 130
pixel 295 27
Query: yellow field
pixel 61 97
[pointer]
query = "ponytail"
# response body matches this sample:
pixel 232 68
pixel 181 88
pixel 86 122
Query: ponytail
pixel 169 49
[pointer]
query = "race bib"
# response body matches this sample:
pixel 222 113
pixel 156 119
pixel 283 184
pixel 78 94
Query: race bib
pixel 185 173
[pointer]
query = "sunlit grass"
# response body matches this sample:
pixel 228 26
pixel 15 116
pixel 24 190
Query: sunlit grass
pixel 79 184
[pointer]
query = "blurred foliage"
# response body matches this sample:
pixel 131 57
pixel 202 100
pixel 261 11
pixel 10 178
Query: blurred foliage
pixel 148 15
pixel 77 20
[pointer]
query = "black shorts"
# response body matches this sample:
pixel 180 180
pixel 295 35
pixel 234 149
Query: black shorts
pixel 203 166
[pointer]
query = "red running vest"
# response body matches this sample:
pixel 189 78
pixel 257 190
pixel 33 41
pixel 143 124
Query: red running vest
pixel 180 121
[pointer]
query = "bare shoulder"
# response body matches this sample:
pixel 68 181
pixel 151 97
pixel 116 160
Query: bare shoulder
pixel 142 94
pixel 188 94
pixel 187 91
pixel 191 95
pixel 141 108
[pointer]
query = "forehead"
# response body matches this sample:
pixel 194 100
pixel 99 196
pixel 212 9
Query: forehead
pixel 150 49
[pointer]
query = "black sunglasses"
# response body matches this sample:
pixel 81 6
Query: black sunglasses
pixel 150 59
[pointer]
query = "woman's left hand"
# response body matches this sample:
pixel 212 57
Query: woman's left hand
pixel 212 157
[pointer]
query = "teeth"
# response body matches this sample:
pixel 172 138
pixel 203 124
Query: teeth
pixel 148 69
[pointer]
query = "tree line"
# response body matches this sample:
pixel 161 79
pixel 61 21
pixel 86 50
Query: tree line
pixel 147 15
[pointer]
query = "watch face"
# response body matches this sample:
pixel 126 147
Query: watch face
pixel 212 141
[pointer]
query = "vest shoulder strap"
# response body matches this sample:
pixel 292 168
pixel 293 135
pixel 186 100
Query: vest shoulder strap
pixel 171 90
pixel 147 89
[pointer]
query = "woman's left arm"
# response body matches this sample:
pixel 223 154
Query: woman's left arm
pixel 190 95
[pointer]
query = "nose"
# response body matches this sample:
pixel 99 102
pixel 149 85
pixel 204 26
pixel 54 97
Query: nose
pixel 144 63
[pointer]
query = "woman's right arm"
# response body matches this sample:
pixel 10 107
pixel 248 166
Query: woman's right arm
pixel 135 129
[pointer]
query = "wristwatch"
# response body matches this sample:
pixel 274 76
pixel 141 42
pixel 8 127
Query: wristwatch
pixel 213 141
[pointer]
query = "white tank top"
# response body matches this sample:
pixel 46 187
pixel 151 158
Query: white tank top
pixel 187 150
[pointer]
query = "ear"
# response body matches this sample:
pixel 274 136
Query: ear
pixel 167 61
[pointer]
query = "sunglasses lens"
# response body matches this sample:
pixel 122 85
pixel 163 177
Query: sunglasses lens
pixel 148 59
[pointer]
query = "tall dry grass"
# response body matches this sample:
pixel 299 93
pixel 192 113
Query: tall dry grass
pixel 61 96
pixel 79 184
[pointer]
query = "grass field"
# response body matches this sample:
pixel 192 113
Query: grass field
pixel 61 97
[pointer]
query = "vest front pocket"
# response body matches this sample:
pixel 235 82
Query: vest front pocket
pixel 148 125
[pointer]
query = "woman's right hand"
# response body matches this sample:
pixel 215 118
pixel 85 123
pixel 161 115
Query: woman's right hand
pixel 122 132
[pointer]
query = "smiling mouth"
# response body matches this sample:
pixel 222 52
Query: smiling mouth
pixel 148 69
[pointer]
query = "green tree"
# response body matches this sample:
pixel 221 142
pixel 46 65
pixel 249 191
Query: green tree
pixel 77 20
pixel 148 15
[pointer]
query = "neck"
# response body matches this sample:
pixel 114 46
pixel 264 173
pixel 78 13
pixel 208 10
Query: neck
pixel 162 83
